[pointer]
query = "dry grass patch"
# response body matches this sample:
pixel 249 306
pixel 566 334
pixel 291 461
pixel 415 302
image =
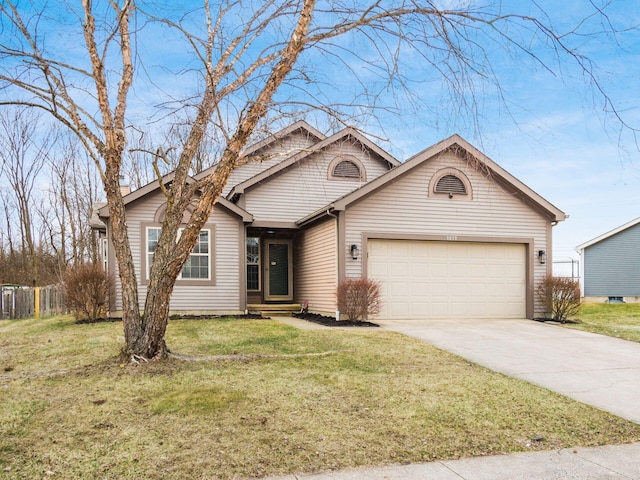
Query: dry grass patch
pixel 380 398
pixel 621 320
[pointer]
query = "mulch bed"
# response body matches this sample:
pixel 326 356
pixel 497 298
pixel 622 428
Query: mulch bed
pixel 310 317
pixel 551 320
pixel 251 316
pixel 331 321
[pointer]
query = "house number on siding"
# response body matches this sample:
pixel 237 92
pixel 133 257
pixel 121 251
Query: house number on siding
pixel 452 237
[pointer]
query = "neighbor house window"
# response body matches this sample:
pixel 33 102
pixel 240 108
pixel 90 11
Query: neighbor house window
pixel 253 263
pixel 197 266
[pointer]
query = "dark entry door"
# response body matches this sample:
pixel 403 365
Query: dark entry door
pixel 278 270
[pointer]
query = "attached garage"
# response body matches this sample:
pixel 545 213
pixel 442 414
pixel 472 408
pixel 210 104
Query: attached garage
pixel 440 279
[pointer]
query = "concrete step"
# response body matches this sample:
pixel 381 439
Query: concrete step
pixel 274 309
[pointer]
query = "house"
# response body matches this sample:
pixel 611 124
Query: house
pixel 611 265
pixel 449 233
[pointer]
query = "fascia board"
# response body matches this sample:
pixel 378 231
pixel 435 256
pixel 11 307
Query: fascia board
pixel 243 186
pixel 299 125
pixel 153 186
pixel 556 214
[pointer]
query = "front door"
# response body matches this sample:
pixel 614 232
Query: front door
pixel 278 271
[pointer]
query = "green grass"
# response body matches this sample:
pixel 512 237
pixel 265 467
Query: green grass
pixel 620 320
pixel 68 407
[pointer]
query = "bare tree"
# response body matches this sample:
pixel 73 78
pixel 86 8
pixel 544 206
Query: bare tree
pixel 73 190
pixel 247 63
pixel 22 157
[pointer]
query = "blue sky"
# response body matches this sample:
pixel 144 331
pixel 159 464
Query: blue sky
pixel 553 131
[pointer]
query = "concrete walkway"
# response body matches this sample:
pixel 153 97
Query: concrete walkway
pixel 594 369
pixel 611 462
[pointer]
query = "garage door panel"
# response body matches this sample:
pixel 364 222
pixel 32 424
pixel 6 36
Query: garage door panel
pixel 424 279
pixel 399 250
pixel 439 270
pixel 459 270
pixel 399 269
pixel 477 291
pixel 378 269
pixel 437 290
pixel 418 289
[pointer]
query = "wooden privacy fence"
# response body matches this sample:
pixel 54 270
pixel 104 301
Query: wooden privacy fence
pixel 27 302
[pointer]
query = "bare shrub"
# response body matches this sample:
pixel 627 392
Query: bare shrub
pixel 87 288
pixel 560 296
pixel 358 298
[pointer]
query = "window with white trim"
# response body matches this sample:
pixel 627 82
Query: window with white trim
pixel 105 254
pixel 197 266
pixel 253 263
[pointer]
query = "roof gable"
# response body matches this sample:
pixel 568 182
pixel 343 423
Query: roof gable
pixel 298 128
pixel 279 135
pixel 347 133
pixel 609 234
pixel 152 187
pixel 462 148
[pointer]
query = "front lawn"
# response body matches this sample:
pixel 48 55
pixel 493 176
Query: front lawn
pixel 269 399
pixel 620 320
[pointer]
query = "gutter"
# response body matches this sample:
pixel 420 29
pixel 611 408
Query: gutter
pixel 324 211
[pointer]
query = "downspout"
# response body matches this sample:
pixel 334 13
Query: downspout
pixel 337 259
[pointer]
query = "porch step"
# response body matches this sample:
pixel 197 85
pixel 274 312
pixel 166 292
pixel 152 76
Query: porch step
pixel 274 309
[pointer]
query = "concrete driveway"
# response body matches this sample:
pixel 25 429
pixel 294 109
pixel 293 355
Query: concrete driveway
pixel 593 369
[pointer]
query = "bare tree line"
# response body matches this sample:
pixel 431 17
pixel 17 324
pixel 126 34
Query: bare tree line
pixel 49 188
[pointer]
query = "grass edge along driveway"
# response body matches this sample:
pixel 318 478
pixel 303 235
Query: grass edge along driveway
pixel 69 409
pixel 620 320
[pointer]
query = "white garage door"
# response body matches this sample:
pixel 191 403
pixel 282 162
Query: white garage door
pixel 422 279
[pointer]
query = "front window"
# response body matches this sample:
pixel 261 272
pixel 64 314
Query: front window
pixel 105 253
pixel 197 266
pixel 253 263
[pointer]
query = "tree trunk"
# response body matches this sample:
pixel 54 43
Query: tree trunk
pixel 128 280
pixel 151 343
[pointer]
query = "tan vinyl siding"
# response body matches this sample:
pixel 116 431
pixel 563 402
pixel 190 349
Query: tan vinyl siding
pixel 224 296
pixel 405 209
pixel 304 187
pixel 316 267
pixel 280 150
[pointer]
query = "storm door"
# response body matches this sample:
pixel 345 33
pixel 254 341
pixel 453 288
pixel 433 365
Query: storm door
pixel 278 271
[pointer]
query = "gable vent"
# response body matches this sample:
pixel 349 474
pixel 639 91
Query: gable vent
pixel 451 184
pixel 346 169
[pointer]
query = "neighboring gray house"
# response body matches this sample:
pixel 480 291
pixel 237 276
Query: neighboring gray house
pixel 449 233
pixel 611 265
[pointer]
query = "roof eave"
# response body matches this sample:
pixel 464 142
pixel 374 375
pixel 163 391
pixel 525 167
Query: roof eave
pixel 608 234
pixel 318 147
pixel 312 217
pixel 554 213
